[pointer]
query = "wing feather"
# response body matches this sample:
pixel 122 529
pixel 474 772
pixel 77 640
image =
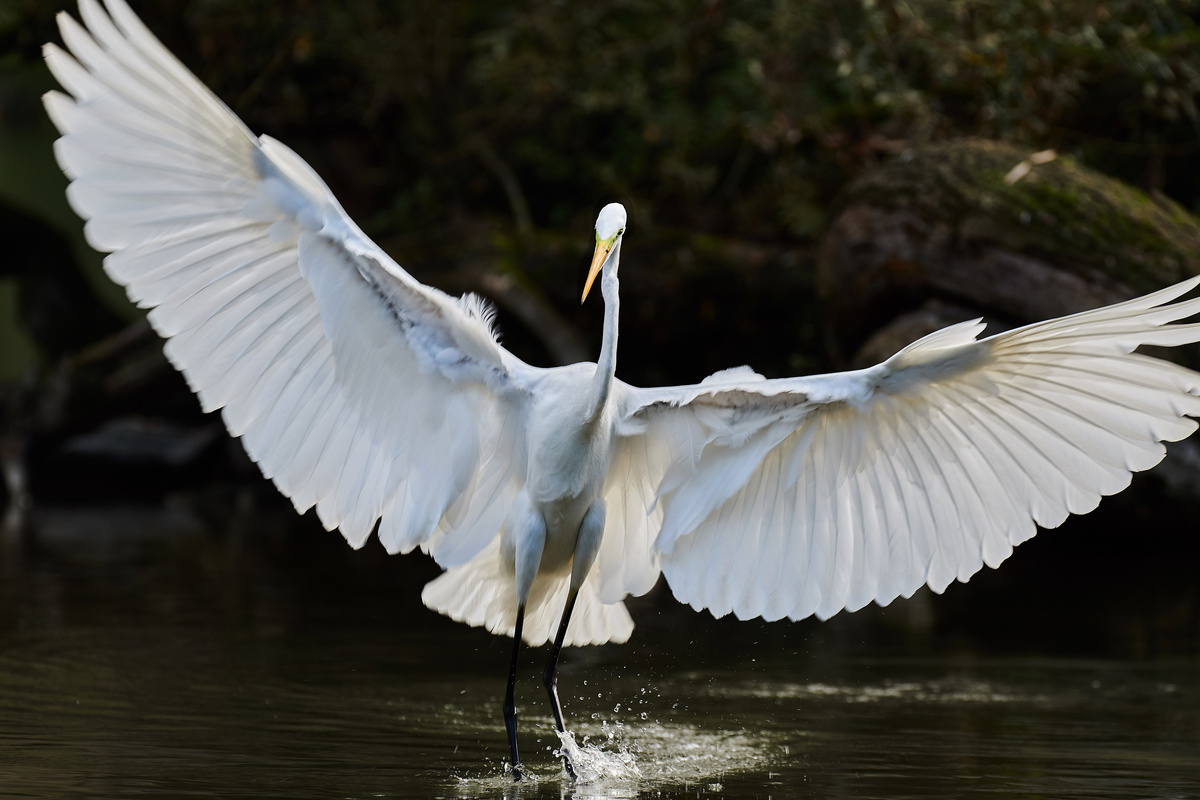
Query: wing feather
pixel 627 562
pixel 337 368
pixel 817 549
pixel 939 504
pixel 808 495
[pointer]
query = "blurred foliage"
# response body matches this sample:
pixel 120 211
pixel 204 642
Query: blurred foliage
pixel 763 109
pixel 740 118
pixel 466 133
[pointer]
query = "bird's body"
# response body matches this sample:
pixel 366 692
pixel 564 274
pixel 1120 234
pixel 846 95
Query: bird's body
pixel 550 495
pixel 568 464
pixel 568 444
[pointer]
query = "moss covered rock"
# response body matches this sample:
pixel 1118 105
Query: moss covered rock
pixel 954 221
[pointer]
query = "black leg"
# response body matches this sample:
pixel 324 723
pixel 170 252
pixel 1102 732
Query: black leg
pixel 551 674
pixel 510 707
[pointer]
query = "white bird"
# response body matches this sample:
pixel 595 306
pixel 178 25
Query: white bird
pixel 549 495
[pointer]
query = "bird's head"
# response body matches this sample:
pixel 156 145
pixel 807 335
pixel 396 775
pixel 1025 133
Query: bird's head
pixel 610 226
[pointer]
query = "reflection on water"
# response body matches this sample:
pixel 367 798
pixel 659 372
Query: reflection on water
pixel 162 654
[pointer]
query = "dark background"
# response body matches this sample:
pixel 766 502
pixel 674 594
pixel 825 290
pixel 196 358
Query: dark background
pixel 475 141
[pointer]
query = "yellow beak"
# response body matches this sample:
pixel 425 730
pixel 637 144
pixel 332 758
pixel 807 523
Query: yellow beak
pixel 598 258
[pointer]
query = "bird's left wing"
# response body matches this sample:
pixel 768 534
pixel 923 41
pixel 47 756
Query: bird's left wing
pixel 355 388
pixel 804 496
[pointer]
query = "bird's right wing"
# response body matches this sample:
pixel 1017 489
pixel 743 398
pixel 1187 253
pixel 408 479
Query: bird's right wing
pixel 804 496
pixel 355 388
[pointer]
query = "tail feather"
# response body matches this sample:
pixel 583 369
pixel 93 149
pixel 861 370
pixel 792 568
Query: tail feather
pixel 482 593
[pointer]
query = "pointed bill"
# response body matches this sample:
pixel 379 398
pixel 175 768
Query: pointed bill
pixel 603 248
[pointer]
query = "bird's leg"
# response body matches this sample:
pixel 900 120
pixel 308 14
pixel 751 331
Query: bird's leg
pixel 510 707
pixel 529 539
pixel 587 545
pixel 551 674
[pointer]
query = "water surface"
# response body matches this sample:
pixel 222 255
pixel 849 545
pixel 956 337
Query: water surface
pixel 152 653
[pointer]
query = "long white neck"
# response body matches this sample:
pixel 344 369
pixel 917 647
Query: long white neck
pixel 606 365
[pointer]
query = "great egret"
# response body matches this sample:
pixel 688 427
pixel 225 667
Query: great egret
pixel 379 400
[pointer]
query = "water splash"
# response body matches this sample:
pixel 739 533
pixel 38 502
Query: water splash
pixel 499 782
pixel 594 764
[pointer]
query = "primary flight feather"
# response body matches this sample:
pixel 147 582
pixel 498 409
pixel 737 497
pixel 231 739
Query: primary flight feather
pixel 549 495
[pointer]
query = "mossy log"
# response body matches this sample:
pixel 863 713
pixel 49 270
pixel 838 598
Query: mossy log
pixel 942 222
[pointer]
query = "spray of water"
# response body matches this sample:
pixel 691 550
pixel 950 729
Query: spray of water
pixel 594 763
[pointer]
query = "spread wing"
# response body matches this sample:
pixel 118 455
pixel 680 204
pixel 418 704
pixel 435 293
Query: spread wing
pixel 785 498
pixel 354 387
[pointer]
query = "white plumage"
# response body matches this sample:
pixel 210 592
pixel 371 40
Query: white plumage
pixel 378 400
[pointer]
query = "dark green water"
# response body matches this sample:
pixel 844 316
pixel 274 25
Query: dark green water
pixel 148 653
